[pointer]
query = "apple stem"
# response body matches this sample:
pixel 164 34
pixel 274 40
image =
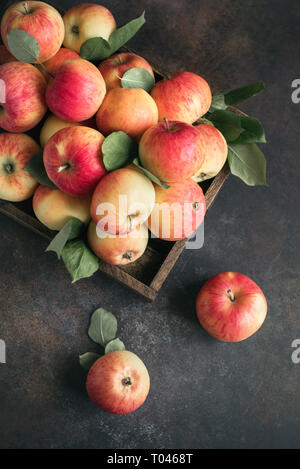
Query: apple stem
pixel 167 123
pixel 9 168
pixel 25 7
pixel 62 168
pixel 119 59
pixel 231 295
pixel 127 381
pixel 128 255
pixel 46 69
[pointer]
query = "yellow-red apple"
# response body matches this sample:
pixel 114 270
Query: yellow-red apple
pixel 16 150
pixel 113 69
pixel 178 211
pixel 118 382
pixel 122 201
pixel 85 21
pixel 118 250
pixel 55 208
pixel 25 104
pixel 77 90
pixel 38 19
pixel 184 97
pixel 131 110
pixel 53 124
pixel 73 159
pixel 6 56
pixel 172 151
pixel 231 307
pixel 52 64
pixel 216 152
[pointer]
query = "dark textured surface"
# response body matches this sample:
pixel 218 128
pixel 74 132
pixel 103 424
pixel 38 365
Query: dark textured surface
pixel 204 394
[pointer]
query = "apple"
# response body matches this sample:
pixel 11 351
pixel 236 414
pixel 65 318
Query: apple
pixel 122 201
pixel 55 208
pixel 73 159
pixel 231 307
pixel 52 64
pixel 53 124
pixel 185 97
pixel 118 250
pixel 5 56
pixel 215 154
pixel 172 151
pixel 77 90
pixel 16 150
pixel 118 382
pixel 85 21
pixel 113 69
pixel 178 211
pixel 25 104
pixel 131 110
pixel 38 19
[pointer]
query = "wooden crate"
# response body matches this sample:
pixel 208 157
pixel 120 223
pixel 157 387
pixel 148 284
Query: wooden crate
pixel 148 273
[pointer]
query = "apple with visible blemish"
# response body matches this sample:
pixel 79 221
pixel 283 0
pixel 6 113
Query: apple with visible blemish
pixel 118 382
pixel 86 21
pixel 38 19
pixel 52 64
pixel 118 250
pixel 231 307
pixel 113 69
pixel 74 161
pixel 25 103
pixel 122 201
pixel 16 150
pixel 77 91
pixel 178 211
pixel 55 208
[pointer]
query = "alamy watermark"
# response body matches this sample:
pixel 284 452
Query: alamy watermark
pixel 296 92
pixel 296 353
pixel 2 92
pixel 2 351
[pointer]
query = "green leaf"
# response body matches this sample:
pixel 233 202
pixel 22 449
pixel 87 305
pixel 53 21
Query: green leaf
pixel 138 78
pixel 103 327
pixel 149 175
pixel 242 94
pixel 114 345
pixel 23 46
pixel 72 229
pixel 248 163
pixel 88 359
pixel 202 120
pixel 98 48
pixel 218 102
pixel 118 150
pixel 79 260
pixel 36 168
pixel 228 123
pixel 252 131
pixel 95 48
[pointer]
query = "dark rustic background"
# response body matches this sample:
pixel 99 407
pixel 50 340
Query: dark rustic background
pixel 205 394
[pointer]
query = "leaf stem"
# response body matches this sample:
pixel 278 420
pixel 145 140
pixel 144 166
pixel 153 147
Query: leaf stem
pixel 46 69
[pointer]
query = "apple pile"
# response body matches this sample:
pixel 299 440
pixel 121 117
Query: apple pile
pixel 120 153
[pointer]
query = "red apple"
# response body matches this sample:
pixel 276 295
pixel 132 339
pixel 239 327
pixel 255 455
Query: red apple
pixel 215 153
pixel 77 90
pixel 16 150
pixel 122 201
pixel 52 64
pixel 172 151
pixel 118 382
pixel 231 307
pixel 131 110
pixel 38 19
pixel 5 56
pixel 184 97
pixel 178 211
pixel 113 69
pixel 73 159
pixel 25 104
pixel 85 21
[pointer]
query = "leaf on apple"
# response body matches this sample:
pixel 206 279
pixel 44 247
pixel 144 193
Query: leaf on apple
pixel 118 150
pixel 88 359
pixel 218 102
pixel 72 229
pixel 79 260
pixel 36 168
pixel 98 48
pixel 103 327
pixel 149 175
pixel 138 78
pixel 248 163
pixel 23 46
pixel 228 123
pixel 114 346
pixel 240 95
